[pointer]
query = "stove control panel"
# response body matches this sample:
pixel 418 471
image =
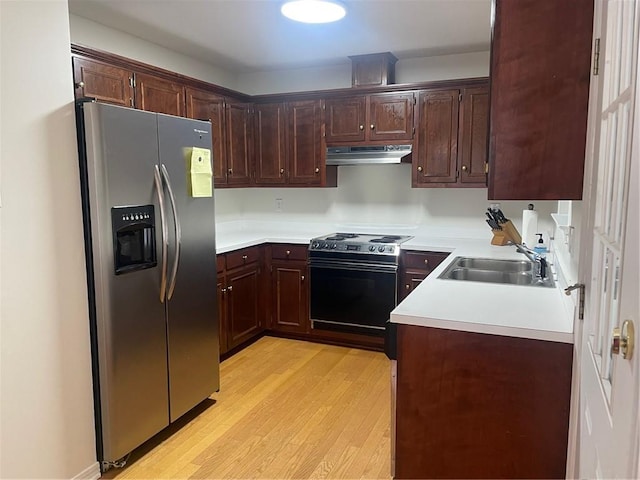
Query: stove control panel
pixel 371 248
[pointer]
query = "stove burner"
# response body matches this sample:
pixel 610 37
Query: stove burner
pixel 341 236
pixel 386 239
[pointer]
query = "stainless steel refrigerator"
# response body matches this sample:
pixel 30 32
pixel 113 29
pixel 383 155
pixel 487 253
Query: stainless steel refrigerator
pixel 151 269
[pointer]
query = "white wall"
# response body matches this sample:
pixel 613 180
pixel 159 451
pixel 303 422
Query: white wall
pixel 47 427
pixel 91 34
pixel 410 70
pixel 378 194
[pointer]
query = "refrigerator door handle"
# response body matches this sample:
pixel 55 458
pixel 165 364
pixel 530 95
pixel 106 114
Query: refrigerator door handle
pixel 165 244
pixel 178 231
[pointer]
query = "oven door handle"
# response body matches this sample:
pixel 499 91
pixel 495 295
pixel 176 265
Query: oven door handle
pixel 355 267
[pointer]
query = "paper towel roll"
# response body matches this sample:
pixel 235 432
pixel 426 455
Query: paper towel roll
pixel 529 227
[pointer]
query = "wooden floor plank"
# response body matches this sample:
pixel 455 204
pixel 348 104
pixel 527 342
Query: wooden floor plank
pixel 286 409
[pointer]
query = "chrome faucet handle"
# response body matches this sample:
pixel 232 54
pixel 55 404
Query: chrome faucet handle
pixel 534 257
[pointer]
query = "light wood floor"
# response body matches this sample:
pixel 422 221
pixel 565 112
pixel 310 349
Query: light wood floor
pixel 286 409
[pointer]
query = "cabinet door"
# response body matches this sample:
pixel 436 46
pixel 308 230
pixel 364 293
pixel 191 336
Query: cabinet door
pixel 391 117
pixel 269 143
pixel 414 267
pixel 221 291
pixel 203 105
pixel 103 82
pixel 290 307
pixel 474 131
pixel 243 320
pixel 409 281
pixel 155 94
pixel 345 120
pixel 307 150
pixel 539 101
pixel 436 141
pixel 238 143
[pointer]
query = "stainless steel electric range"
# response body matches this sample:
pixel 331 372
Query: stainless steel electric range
pixel 353 281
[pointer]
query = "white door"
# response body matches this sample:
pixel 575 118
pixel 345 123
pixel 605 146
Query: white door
pixel 609 383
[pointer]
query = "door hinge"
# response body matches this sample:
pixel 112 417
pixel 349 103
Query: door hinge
pixel 578 286
pixel 415 100
pixel 131 101
pixel 131 81
pixel 596 57
pixel 457 174
pixel 459 97
pixel 486 167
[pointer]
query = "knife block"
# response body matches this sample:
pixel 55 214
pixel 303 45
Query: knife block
pixel 511 232
pixel 508 235
pixel 499 238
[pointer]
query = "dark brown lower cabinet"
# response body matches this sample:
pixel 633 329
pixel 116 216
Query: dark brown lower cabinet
pixel 243 317
pixel 240 297
pixel 414 267
pixel 472 405
pixel 222 307
pixel 290 289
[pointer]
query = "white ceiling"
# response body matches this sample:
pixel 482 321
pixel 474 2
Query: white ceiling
pixel 251 35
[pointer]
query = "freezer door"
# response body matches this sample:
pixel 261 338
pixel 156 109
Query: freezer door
pixel 128 319
pixel 192 326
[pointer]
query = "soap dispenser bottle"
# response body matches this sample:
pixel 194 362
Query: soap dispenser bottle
pixel 540 247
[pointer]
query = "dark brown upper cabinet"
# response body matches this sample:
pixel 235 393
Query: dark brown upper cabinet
pixel 155 94
pixel 473 135
pixel 540 72
pixel 103 82
pixel 377 118
pixel 289 148
pixel 238 121
pixel 436 143
pixel 306 147
pixel 203 105
pixel 269 144
pixel 450 147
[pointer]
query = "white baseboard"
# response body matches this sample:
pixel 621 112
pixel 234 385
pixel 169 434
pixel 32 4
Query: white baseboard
pixel 92 472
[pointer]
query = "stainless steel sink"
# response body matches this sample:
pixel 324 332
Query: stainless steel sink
pixel 495 265
pixel 511 272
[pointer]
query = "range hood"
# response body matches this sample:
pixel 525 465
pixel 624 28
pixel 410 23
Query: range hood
pixel 368 154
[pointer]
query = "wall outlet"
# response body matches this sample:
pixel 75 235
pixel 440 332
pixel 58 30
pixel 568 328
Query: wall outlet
pixel 279 203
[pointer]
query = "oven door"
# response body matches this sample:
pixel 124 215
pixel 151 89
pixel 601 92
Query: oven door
pixel 352 297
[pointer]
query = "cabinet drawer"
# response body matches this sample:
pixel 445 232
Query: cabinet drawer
pixel 289 252
pixel 422 260
pixel 220 263
pixel 242 257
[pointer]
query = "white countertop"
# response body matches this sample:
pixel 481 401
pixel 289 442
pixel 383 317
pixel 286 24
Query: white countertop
pixel 539 313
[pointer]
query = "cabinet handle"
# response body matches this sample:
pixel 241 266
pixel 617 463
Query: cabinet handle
pixel 288 252
pixel 281 171
pixel 372 126
pixel 426 261
pixel 407 286
pixel 419 168
pixel 361 127
pixel 317 170
pixel 224 290
pixel 230 288
pixel 302 278
pixel 79 84
pixel 230 171
pixel 244 257
pixel 464 168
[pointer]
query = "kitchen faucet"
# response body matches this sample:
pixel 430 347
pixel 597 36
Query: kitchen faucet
pixel 535 258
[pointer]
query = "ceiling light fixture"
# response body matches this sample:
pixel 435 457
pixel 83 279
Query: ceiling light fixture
pixel 313 11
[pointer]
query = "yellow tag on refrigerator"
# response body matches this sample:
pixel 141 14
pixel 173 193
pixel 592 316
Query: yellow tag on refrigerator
pixel 201 172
